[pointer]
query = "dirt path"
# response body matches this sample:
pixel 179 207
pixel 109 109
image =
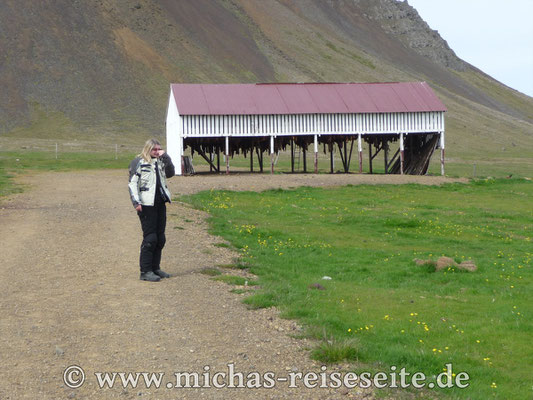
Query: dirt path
pixel 71 294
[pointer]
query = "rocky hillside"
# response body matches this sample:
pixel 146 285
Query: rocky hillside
pixel 104 66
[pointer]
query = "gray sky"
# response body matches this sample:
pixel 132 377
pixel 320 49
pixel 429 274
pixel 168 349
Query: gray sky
pixel 495 36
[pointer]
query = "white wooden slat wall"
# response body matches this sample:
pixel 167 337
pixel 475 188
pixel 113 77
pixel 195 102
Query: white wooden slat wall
pixel 309 124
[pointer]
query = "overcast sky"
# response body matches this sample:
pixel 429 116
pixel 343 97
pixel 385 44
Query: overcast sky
pixel 496 36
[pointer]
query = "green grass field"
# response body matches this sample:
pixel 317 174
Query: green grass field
pixel 379 307
pixel 15 162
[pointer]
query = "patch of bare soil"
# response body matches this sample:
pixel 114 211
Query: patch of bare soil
pixel 71 294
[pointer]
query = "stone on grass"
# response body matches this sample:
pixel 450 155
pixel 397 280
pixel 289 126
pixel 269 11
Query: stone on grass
pixel 468 266
pixel 316 286
pixel 445 262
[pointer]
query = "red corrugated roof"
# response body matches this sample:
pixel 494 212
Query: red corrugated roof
pixel 304 98
pixel 356 98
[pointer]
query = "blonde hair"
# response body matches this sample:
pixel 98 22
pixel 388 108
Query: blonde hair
pixel 148 146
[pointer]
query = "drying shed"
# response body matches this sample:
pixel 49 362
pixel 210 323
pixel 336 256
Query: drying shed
pixel 247 118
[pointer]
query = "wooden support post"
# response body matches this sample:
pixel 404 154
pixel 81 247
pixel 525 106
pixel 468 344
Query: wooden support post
pixel 393 159
pixel 304 153
pixel 292 155
pixel 259 158
pixel 211 158
pixel 343 156
pixel 331 157
pixel 347 165
pixel 442 162
pixel 442 153
pixel 227 154
pixel 386 155
pixel 370 156
pixel 271 155
pixel 316 154
pixel 350 156
pixel 401 154
pixel 218 159
pixel 360 148
pixel 252 159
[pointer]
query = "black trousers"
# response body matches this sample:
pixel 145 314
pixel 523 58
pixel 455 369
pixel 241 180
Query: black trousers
pixel 153 223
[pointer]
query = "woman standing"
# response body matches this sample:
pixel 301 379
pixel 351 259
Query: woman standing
pixel 149 193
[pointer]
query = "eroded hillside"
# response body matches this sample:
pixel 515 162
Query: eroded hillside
pixel 104 66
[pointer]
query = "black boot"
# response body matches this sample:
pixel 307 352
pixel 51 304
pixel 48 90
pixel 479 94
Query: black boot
pixel 149 276
pixel 161 273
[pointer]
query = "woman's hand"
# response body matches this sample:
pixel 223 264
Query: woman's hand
pixel 139 208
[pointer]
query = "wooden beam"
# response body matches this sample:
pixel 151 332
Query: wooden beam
pixel 360 149
pixel 385 146
pixel 304 151
pixel 292 155
pixel 343 156
pixel 350 156
pixel 252 159
pixel 316 154
pixel 393 159
pixel 378 149
pixel 370 158
pixel 271 155
pixel 401 154
pixel 331 156
pixel 259 158
pixel 227 154
pixel 442 153
pixel 206 158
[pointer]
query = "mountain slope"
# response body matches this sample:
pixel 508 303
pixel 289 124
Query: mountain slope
pixel 104 66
